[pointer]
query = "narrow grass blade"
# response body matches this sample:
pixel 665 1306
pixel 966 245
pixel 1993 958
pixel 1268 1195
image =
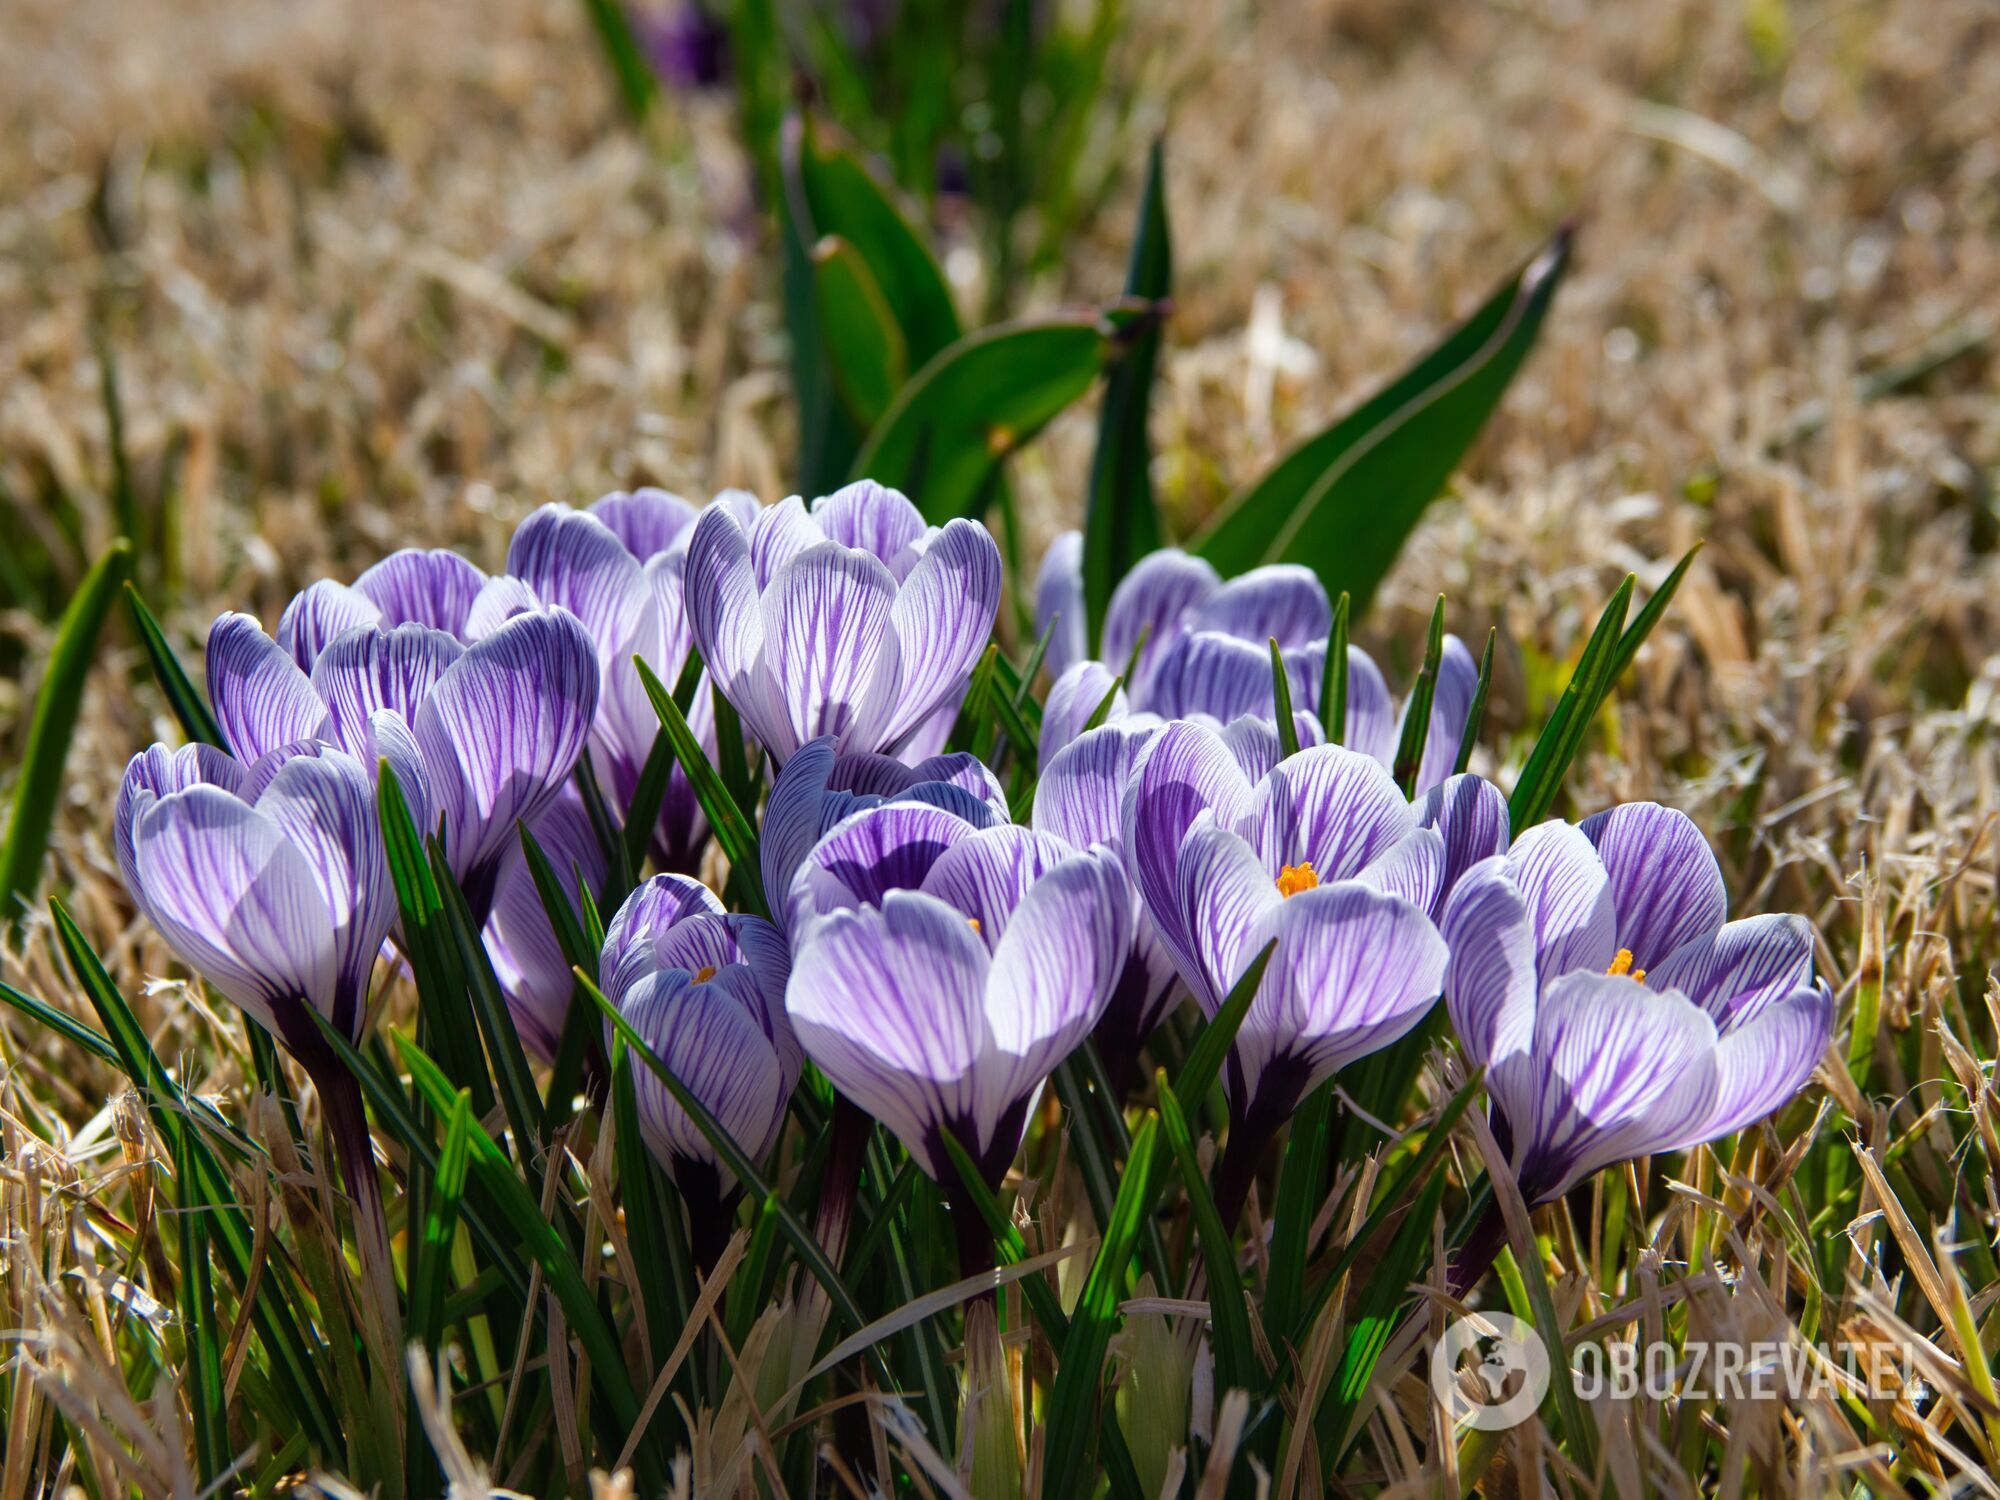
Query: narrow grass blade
pixel 1281 697
pixel 1333 686
pixel 1475 718
pixel 208 1402
pixel 1649 615
pixel 63 1025
pixel 1205 1058
pixel 648 795
pixel 1301 1181
pixel 1229 1318
pixel 189 706
pixel 433 1259
pixel 662 1283
pixel 1103 710
pixel 1417 714
pixel 733 830
pixel 629 69
pixel 38 792
pixel 1541 778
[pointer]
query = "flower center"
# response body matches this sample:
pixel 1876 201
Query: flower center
pixel 706 973
pixel 1295 878
pixel 1622 964
pixel 973 923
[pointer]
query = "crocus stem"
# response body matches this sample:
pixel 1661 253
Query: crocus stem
pixel 975 1240
pixel 842 1179
pixel 1476 1256
pixel 347 1124
pixel 1238 1170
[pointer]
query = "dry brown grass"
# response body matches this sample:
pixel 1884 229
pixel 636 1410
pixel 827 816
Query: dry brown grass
pixel 377 273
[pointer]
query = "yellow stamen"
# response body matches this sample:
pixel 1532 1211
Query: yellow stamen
pixel 707 973
pixel 974 923
pixel 1295 878
pixel 1622 965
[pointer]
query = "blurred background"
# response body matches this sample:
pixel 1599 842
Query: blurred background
pixel 283 287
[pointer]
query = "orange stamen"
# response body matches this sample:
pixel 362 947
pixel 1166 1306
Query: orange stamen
pixel 707 973
pixel 1295 878
pixel 1622 965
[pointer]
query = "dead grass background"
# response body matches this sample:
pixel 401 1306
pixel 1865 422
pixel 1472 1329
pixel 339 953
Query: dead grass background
pixel 385 273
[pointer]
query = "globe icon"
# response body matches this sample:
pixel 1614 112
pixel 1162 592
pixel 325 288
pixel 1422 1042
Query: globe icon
pixel 1500 1360
pixel 1508 1366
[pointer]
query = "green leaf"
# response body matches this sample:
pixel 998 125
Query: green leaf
pixel 63 1025
pixel 865 349
pixel 1235 1357
pixel 1649 616
pixel 196 721
pixel 1205 1058
pixel 1475 716
pixel 1417 716
pixel 433 1259
pixel 208 1401
pixel 732 830
pixel 1103 710
pixel 1301 1181
pixel 1542 777
pixel 1121 523
pixel 579 1025
pixel 647 795
pixel 38 793
pixel 1281 697
pixel 1343 500
pixel 1333 684
pixel 622 52
pixel 662 1281
pixel 829 191
pixel 975 403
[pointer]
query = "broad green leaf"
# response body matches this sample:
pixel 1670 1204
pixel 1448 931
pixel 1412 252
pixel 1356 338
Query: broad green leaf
pixel 1121 524
pixel 976 402
pixel 38 793
pixel 828 436
pixel 865 349
pixel 196 721
pixel 1542 777
pixel 829 191
pixel 1343 500
pixel 733 831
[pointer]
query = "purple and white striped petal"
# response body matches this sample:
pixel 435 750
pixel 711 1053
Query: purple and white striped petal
pixel 1762 1063
pixel 1331 807
pixel 366 672
pixel 1741 968
pixel 1666 888
pixel 875 519
pixel 322 611
pixel 648 521
pixel 1621 1071
pixel 1053 973
pixel 778 533
pixel 962 770
pixel 943 616
pixel 1371 712
pixel 717 942
pixel 502 599
pixel 153 773
pixel 631 942
pixel 988 874
pixel 1470 814
pixel 322 802
pixel 572 559
pixel 1222 897
pixel 1489 985
pixel 1183 772
pixel 1413 869
pixel 1059 604
pixel 1569 899
pixel 1354 970
pixel 414 587
pixel 889 1003
pixel 1153 602
pixel 501 733
pixel 1255 744
pixel 527 959
pixel 707 1034
pixel 1083 785
pixel 1284 600
pixel 1218 676
pixel 1451 707
pixel 722 606
pixel 240 906
pixel 868 854
pixel 262 700
pixel 1073 698
pixel 830 649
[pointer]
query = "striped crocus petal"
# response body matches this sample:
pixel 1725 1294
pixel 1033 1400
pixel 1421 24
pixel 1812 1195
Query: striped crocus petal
pixel 869 853
pixel 1220 677
pixel 501 732
pixel 648 521
pixel 1354 969
pixel 1489 985
pixel 527 958
pixel 1568 896
pixel 393 671
pixel 240 906
pixel 889 1003
pixel 1222 894
pixel 262 700
pixel 829 654
pixel 323 610
pixel 709 1038
pixel 777 534
pixel 943 617
pixel 572 559
pixel 725 619
pixel 415 587
pixel 1762 1063
pixel 1082 786
pixel 1740 968
pixel 984 800
pixel 1370 725
pixel 1666 888
pixel 631 941
pixel 1616 1071
pixel 715 941
pixel 873 518
pixel 1329 807
pixel 1059 612
pixel 153 773
pixel 1074 697
pixel 1254 741
pixel 1282 600
pixel 1451 707
pixel 987 874
pixel 1470 816
pixel 1151 604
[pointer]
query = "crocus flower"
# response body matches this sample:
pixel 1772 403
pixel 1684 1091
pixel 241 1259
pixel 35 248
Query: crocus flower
pixel 704 988
pixel 481 737
pixel 410 587
pixel 852 619
pixel 947 1007
pixel 818 789
pixel 1616 1012
pixel 1323 855
pixel 528 960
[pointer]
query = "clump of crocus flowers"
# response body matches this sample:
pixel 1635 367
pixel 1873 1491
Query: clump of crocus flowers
pixel 932 940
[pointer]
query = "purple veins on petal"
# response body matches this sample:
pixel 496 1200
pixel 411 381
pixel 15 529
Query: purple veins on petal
pixel 154 773
pixel 1470 816
pixel 1073 698
pixel 1152 604
pixel 870 517
pixel 648 521
pixel 262 700
pixel 1666 887
pixel 571 559
pixel 393 671
pixel 320 613
pixel 1736 971
pixel 1059 606
pixel 527 958
pixel 706 1034
pixel 987 874
pixel 869 853
pixel 415 587
pixel 1285 600
pixel 631 941
pixel 1329 807
pixel 1762 1061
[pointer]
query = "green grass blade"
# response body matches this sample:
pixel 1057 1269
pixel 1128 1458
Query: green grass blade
pixel 1541 778
pixel 1475 718
pixel 38 793
pixel 1205 1058
pixel 63 1025
pixel 629 69
pixel 189 706
pixel 733 831
pixel 1229 1318
pixel 1333 686
pixel 1417 714
pixel 201 1379
pixel 1301 1181
pixel 662 1281
pixel 1649 616
pixel 433 1259
pixel 1281 697
pixel 647 797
